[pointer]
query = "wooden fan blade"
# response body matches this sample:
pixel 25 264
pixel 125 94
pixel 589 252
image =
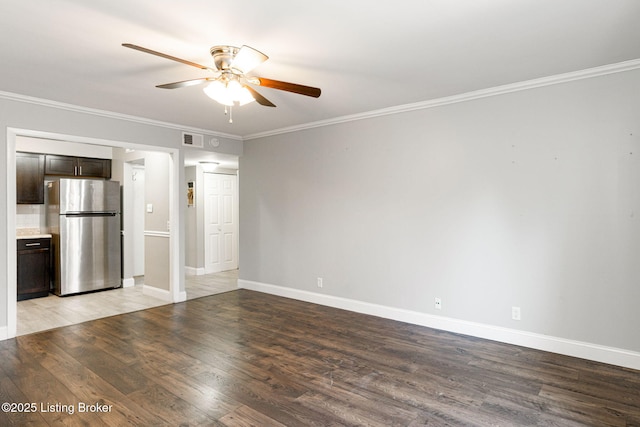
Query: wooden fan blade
pixel 184 83
pixel 164 55
pixel 259 98
pixel 290 87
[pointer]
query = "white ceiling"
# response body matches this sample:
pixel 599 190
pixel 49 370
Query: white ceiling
pixel 364 55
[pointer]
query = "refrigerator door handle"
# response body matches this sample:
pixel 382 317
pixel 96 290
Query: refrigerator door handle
pixel 76 214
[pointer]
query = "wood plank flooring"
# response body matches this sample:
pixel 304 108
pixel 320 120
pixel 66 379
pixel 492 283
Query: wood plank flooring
pixel 244 358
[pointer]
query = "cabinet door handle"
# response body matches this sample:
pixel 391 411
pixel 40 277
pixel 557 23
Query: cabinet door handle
pixel 32 244
pixel 80 170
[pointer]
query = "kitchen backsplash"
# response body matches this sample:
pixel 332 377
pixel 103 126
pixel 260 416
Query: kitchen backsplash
pixel 31 216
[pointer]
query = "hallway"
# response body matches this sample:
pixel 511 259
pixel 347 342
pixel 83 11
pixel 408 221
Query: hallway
pixel 50 312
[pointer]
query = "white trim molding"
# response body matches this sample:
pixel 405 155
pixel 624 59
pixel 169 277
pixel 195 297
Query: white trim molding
pixel 163 294
pixel 12 270
pixel 152 233
pixel 128 282
pixel 112 115
pixel 194 271
pixel 468 96
pixel 584 350
pixel 482 93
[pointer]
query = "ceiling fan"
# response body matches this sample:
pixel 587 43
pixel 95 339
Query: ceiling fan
pixel 230 84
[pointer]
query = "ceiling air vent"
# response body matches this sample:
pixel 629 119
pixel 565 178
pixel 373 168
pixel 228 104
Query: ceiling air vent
pixel 192 140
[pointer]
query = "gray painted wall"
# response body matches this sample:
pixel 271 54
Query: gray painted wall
pixel 528 199
pixel 156 247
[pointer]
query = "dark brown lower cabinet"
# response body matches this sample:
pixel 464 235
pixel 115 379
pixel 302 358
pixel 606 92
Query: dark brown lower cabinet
pixel 34 268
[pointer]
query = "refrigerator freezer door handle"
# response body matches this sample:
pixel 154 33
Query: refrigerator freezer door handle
pixel 91 214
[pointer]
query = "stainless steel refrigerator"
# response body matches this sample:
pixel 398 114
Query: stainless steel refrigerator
pixel 83 216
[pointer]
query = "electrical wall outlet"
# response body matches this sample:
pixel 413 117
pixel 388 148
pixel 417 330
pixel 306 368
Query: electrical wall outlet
pixel 438 304
pixel 515 313
pixel 320 282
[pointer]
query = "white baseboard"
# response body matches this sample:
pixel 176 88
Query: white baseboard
pixel 128 282
pixel 194 271
pixel 162 294
pixel 182 297
pixel 4 333
pixel 584 350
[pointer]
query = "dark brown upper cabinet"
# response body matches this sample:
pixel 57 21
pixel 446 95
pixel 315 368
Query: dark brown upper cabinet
pixel 77 166
pixel 29 178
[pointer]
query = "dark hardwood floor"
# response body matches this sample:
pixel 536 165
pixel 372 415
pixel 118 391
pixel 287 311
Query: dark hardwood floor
pixel 243 358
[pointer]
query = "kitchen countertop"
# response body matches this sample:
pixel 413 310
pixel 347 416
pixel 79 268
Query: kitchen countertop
pixel 31 233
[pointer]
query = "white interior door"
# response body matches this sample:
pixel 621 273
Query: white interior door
pixel 221 222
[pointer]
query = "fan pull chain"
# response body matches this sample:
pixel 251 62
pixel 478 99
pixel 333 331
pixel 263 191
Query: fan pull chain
pixel 229 111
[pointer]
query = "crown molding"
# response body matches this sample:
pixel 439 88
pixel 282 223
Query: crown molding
pixel 112 115
pixel 469 96
pixel 433 103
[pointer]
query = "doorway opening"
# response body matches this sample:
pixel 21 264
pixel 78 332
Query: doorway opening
pixel 175 263
pixel 133 202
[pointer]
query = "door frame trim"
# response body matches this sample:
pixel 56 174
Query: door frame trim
pixel 176 175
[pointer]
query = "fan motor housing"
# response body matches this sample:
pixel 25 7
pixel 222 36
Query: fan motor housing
pixel 223 56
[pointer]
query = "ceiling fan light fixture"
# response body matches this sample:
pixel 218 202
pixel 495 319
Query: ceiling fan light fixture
pixel 217 91
pixel 229 94
pixel 245 96
pixel 230 86
pixel 239 93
